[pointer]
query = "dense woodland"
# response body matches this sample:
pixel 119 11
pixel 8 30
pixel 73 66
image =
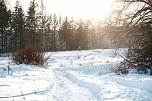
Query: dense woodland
pixel 35 27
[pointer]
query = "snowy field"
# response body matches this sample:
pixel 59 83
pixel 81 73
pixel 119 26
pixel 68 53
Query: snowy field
pixel 73 76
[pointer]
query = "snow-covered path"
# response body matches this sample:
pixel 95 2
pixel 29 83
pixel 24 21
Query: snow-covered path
pixel 75 86
pixel 67 90
pixel 110 90
pixel 73 76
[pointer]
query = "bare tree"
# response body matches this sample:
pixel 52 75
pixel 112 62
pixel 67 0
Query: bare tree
pixel 138 30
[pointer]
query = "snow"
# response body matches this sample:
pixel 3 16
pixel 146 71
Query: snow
pixel 143 81
pixel 73 76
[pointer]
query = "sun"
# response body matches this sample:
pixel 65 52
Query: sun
pixel 92 9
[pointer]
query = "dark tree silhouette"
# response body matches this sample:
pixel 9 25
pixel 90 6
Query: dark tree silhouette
pixel 17 26
pixel 31 24
pixel 66 34
pixel 139 30
pixel 4 22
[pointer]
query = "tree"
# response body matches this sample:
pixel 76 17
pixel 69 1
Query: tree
pixel 81 35
pixel 139 29
pixel 31 24
pixel 17 24
pixel 66 35
pixel 44 28
pixel 4 22
pixel 47 33
pixel 54 28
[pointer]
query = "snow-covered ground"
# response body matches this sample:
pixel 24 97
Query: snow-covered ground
pixel 73 76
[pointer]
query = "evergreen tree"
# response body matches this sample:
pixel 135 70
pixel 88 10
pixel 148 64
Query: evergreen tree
pixel 18 27
pixel 4 22
pixel 54 28
pixel 31 24
pixel 66 35
pixel 48 33
pixel 81 35
pixel 44 29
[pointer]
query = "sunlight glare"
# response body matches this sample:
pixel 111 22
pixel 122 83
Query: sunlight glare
pixel 92 9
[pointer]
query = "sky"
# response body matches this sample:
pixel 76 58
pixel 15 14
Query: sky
pixel 87 9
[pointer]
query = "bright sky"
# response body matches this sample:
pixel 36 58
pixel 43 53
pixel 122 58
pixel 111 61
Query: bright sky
pixel 92 9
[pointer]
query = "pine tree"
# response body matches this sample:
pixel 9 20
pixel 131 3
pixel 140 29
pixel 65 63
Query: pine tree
pixel 54 28
pixel 44 28
pixel 4 22
pixel 31 24
pixel 66 35
pixel 81 35
pixel 18 23
pixel 47 33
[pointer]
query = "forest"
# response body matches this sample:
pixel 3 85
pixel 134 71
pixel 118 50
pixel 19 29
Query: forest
pixel 129 25
pixel 53 57
pixel 35 27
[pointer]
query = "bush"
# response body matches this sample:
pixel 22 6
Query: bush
pixel 121 70
pixel 29 55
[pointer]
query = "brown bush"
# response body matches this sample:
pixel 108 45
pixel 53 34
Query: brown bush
pixel 121 70
pixel 29 55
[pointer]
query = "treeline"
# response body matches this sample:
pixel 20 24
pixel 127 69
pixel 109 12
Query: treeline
pixel 35 27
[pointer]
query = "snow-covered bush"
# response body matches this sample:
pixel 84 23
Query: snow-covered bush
pixel 29 55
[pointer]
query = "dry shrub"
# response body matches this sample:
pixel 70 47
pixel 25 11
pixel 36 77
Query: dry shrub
pixel 121 70
pixel 29 55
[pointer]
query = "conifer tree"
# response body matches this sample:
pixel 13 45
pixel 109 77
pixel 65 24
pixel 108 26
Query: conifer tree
pixel 17 25
pixel 82 35
pixel 66 35
pixel 54 28
pixel 4 22
pixel 31 24
pixel 44 28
